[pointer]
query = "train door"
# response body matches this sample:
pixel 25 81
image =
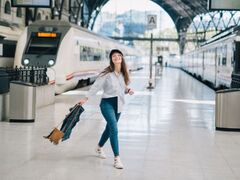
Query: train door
pixel 236 68
pixel 222 67
pixel 220 64
pixel 215 67
pixel 203 66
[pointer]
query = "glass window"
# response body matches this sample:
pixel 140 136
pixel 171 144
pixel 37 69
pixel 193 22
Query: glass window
pixel 39 16
pixel 43 45
pixel 19 12
pixel 7 8
pixel 90 54
pixel 224 55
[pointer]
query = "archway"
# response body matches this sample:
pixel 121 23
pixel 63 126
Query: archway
pixel 7 8
pixel 117 19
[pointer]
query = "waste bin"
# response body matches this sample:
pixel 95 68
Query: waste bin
pixel 22 102
pixel 4 107
pixel 4 95
pixel 227 109
pixel 4 81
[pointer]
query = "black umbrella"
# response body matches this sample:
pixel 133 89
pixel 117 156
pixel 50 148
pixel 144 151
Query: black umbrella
pixel 71 120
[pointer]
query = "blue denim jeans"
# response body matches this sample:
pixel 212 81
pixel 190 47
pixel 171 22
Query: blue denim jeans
pixel 109 111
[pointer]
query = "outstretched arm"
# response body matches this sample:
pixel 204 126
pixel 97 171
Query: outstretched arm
pixel 97 86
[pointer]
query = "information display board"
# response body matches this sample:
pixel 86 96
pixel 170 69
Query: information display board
pixel 231 5
pixel 31 3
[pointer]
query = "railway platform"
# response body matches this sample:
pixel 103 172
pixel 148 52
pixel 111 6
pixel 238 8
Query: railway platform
pixel 166 133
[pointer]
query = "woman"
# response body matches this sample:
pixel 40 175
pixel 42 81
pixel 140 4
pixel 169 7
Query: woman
pixel 113 81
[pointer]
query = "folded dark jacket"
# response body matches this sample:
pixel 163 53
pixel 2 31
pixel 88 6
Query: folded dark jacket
pixel 71 120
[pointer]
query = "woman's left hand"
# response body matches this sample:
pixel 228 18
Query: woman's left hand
pixel 130 92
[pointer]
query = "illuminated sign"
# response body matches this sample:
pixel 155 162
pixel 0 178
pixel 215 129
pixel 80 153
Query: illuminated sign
pixel 46 34
pixel 31 3
pixel 224 5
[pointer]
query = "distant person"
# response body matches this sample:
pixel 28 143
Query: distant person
pixel 160 60
pixel 113 80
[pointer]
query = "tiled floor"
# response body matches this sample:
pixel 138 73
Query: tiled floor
pixel 165 134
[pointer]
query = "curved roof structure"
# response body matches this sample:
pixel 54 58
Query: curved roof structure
pixel 182 13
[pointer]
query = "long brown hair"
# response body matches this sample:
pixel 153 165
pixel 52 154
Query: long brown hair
pixel 124 69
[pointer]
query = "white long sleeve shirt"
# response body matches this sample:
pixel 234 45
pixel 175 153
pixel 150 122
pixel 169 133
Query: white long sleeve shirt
pixel 113 85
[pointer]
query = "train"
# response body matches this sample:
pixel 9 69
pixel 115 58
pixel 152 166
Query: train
pixel 216 61
pixel 8 39
pixel 71 54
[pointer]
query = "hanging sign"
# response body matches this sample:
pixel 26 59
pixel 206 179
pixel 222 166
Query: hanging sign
pixel 152 21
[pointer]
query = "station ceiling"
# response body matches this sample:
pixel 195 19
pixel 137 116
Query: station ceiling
pixel 182 12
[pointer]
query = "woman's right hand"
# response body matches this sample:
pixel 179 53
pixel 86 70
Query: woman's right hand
pixel 83 101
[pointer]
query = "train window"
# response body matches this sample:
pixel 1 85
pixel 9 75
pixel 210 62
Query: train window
pixel 224 61
pixel 43 45
pixel 7 48
pixel 39 16
pixel 7 8
pixel 90 54
pixel 96 57
pixel 19 12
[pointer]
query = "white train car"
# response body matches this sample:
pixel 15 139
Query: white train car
pixel 70 52
pixel 217 61
pixel 172 60
pixel 8 39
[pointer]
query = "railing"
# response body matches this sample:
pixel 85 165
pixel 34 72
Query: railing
pixel 35 75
